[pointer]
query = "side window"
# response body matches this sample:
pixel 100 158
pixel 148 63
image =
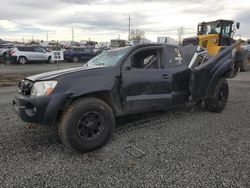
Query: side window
pixel 20 48
pixel 146 59
pixel 226 31
pixel 27 49
pixel 88 50
pixel 39 50
pixel 173 57
pixel 30 49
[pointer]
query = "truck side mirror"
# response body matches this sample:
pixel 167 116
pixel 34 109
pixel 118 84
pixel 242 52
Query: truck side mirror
pixel 238 25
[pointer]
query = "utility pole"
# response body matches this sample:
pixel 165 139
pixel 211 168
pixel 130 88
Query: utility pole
pixel 72 34
pixel 129 22
pixel 47 37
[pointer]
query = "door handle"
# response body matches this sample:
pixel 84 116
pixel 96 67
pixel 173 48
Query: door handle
pixel 165 76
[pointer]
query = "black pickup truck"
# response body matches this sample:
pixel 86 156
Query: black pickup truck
pixel 84 101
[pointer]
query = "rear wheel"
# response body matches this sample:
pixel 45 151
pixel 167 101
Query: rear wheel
pixel 218 100
pixel 86 125
pixel 245 65
pixel 22 60
pixel 75 59
pixel 5 56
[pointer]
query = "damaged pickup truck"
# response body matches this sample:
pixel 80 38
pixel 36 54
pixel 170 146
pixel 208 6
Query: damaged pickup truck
pixel 83 102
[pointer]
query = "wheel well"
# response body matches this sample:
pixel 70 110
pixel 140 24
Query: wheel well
pixel 22 56
pixel 102 95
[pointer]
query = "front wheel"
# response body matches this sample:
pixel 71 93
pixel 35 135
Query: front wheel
pixel 86 125
pixel 218 100
pixel 49 60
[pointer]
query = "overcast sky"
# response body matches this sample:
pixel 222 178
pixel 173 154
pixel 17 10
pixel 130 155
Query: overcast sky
pixel 103 20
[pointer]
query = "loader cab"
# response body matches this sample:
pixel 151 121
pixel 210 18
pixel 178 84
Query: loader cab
pixel 222 28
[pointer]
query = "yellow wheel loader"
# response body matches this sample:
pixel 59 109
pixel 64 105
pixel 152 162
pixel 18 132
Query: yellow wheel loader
pixel 216 36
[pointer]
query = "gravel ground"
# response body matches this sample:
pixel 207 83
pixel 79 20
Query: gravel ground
pixel 11 74
pixel 182 149
pixel 34 68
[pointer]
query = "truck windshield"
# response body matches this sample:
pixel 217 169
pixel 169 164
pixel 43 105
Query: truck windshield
pixel 108 58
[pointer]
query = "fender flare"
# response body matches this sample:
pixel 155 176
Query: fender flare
pixel 223 71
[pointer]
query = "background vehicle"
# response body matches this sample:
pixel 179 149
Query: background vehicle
pixel 117 43
pixel 24 54
pixel 77 54
pixel 4 50
pixel 215 36
pixel 84 101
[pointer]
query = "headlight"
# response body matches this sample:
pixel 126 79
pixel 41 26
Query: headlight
pixel 43 88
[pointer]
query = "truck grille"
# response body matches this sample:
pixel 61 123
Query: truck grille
pixel 25 87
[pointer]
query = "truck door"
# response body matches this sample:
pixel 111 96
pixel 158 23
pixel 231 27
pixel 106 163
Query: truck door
pixel 145 85
pixel 147 80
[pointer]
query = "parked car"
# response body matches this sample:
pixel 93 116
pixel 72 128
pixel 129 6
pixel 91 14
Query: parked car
pixel 25 54
pixel 4 50
pixel 78 54
pixel 84 101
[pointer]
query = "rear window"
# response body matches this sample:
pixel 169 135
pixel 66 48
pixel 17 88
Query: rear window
pixel 173 57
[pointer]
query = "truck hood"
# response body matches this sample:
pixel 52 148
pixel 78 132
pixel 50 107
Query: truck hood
pixel 54 74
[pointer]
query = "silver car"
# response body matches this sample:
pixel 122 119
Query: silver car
pixel 24 54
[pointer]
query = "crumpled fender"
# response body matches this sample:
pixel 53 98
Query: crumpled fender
pixel 223 71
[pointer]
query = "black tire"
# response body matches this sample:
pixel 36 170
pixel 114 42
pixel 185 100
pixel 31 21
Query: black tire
pixel 22 60
pixel 81 134
pixel 75 59
pixel 49 60
pixel 245 64
pixel 218 100
pixel 5 55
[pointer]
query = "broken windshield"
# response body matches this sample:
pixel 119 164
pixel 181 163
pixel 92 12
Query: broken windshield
pixel 108 58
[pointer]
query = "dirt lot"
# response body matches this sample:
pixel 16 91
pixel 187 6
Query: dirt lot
pixel 182 148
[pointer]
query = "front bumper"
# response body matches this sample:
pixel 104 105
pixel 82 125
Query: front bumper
pixel 42 110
